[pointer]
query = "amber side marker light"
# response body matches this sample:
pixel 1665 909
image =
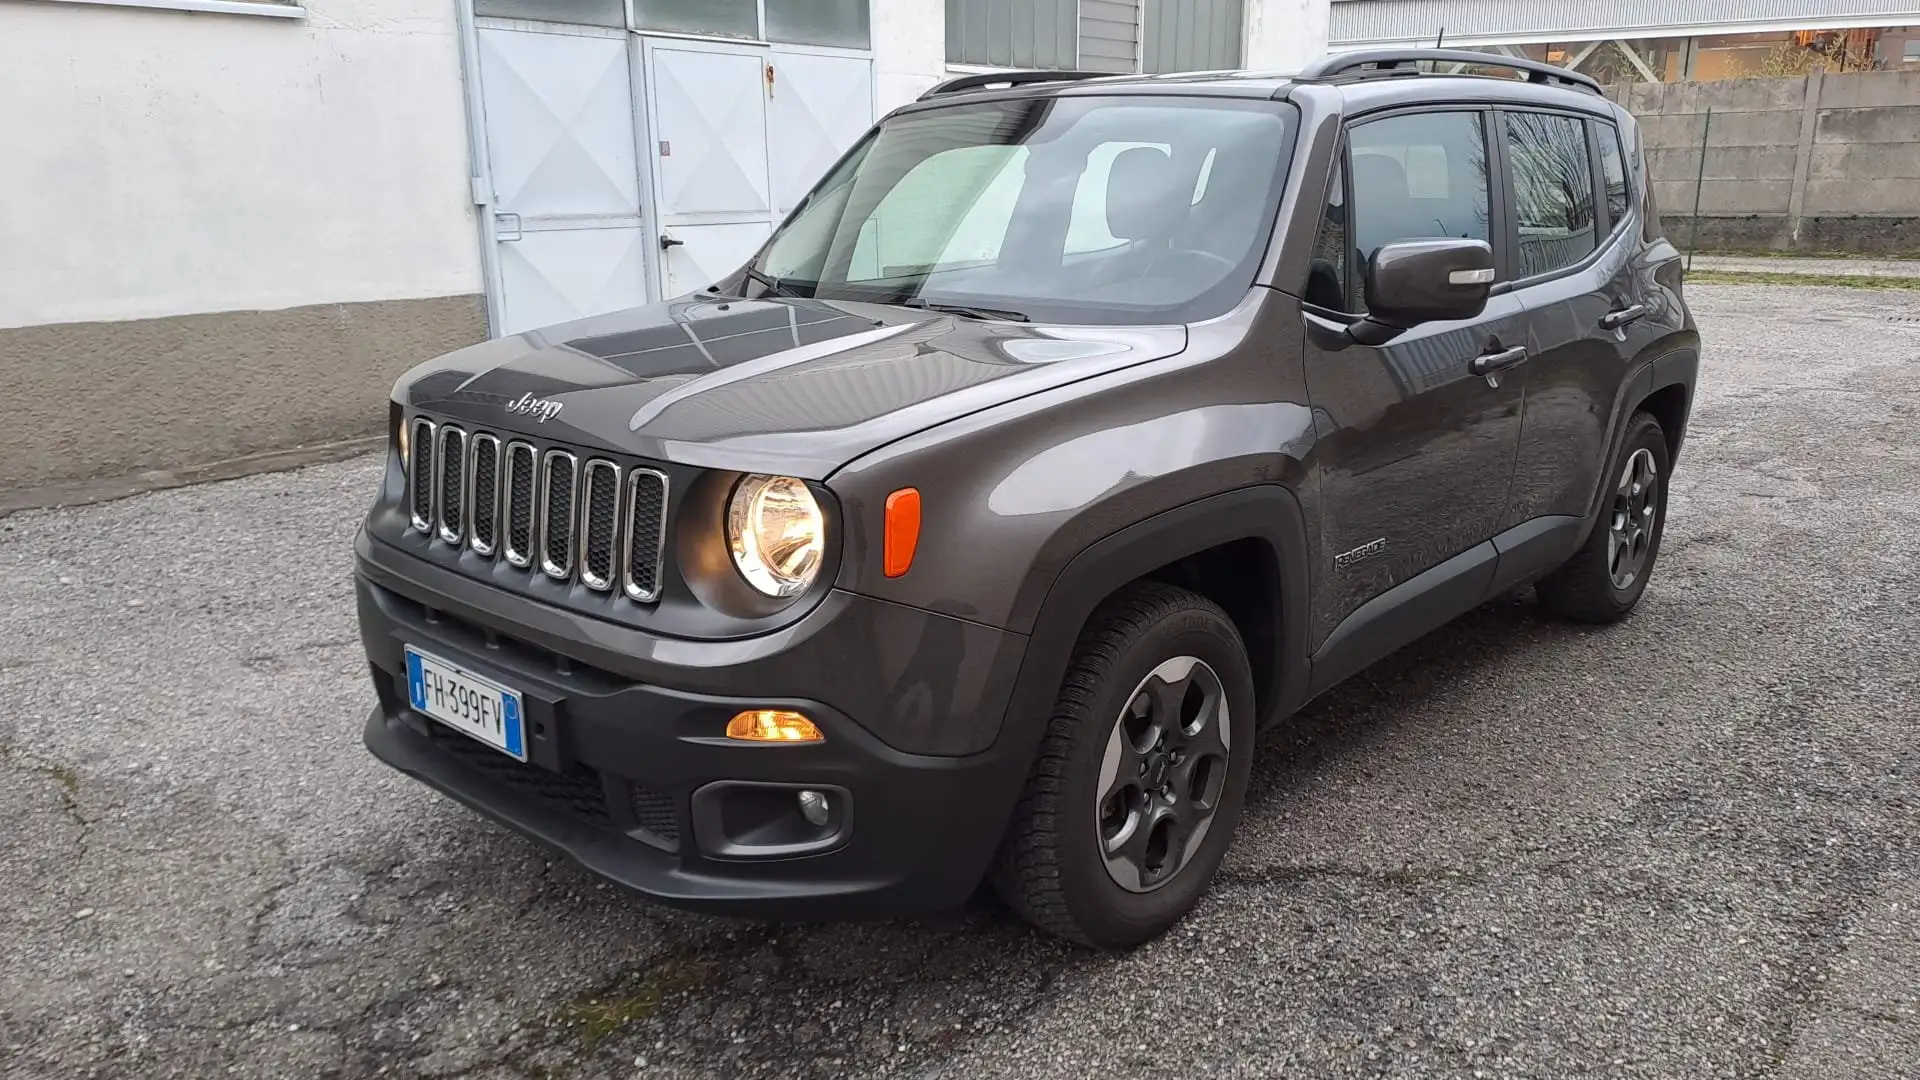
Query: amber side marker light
pixel 903 530
pixel 773 725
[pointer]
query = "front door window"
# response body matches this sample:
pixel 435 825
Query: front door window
pixel 1418 177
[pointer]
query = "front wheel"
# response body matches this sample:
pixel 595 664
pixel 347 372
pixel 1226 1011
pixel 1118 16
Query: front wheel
pixel 1605 579
pixel 1137 788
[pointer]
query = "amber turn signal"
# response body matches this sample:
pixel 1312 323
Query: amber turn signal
pixel 903 530
pixel 773 725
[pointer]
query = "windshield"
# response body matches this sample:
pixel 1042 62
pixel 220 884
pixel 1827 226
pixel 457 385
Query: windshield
pixel 1069 209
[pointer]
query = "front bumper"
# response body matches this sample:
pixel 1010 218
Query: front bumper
pixel 631 778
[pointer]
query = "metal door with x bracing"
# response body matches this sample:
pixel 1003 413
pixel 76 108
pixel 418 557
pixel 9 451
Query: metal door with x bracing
pixel 568 222
pixel 741 133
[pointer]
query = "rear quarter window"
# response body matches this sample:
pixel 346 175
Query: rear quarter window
pixel 1613 170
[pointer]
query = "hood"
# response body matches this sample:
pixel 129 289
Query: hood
pixel 793 386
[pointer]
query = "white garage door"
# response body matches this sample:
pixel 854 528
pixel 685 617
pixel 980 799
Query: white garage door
pixel 566 188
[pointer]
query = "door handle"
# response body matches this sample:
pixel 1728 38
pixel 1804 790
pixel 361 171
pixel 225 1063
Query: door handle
pixel 1614 320
pixel 668 243
pixel 500 217
pixel 1488 363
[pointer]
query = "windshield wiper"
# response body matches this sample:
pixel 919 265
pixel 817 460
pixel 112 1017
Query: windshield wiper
pixel 965 311
pixel 774 287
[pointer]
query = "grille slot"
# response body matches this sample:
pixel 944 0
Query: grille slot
pixel 420 475
pixel 599 524
pixel 519 485
pixel 483 495
pixel 580 794
pixel 646 528
pixel 653 812
pixel 559 478
pixel 450 458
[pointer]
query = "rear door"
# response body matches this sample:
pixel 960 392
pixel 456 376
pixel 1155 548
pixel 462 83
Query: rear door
pixel 1415 452
pixel 1575 255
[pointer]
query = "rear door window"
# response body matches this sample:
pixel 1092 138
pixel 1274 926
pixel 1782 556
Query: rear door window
pixel 1552 190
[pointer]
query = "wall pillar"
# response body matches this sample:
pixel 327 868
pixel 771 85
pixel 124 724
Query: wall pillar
pixel 909 50
pixel 1803 156
pixel 1285 35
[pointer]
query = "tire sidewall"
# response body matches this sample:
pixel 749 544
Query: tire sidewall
pixel 1108 912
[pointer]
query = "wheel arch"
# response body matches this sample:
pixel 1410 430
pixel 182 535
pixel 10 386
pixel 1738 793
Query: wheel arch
pixel 1669 395
pixel 1209 545
pixel 1664 386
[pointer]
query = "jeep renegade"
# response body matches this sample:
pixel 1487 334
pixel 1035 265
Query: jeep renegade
pixel 1071 430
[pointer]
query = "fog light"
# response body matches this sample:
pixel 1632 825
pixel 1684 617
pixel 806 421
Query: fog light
pixel 814 807
pixel 773 725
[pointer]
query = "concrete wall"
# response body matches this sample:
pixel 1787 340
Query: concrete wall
pixel 224 234
pixel 1822 163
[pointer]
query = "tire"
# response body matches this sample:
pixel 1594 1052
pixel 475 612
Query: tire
pixel 1590 588
pixel 1178 654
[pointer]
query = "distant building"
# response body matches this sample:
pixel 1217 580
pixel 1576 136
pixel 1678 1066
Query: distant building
pixel 1652 40
pixel 227 225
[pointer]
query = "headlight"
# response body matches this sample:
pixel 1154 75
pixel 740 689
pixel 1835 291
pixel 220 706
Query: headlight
pixel 777 534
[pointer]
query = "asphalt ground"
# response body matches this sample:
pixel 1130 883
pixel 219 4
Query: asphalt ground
pixel 1681 847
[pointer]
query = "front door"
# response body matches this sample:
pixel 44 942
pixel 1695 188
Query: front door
pixel 566 199
pixel 1416 453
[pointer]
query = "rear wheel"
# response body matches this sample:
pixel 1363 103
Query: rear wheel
pixel 1605 579
pixel 1138 785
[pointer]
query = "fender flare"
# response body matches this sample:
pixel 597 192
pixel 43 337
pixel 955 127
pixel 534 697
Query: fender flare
pixel 1267 513
pixel 1676 367
pixel 1681 368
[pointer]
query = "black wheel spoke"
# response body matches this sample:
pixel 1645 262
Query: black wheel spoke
pixel 1166 696
pixel 1120 766
pixel 1160 854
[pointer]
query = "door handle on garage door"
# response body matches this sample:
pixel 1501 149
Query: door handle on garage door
pixel 1614 320
pixel 1488 363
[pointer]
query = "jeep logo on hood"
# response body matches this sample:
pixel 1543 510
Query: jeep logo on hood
pixel 541 409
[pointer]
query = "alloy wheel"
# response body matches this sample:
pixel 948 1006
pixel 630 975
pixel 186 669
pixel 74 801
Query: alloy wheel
pixel 1163 773
pixel 1630 532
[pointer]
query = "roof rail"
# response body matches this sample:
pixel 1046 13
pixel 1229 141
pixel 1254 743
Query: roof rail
pixel 1381 63
pixel 1009 78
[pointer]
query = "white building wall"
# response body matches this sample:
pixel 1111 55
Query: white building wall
pixel 909 50
pixel 164 163
pixel 1285 35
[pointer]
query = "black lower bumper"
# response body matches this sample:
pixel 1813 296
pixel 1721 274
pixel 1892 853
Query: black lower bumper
pixel 637 782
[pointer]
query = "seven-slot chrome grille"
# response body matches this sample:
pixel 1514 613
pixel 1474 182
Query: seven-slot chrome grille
pixel 589 520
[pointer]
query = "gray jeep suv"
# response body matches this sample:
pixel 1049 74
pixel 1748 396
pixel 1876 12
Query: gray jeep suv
pixel 1071 431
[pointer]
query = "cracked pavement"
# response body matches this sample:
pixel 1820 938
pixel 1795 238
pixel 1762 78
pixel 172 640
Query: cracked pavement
pixel 1681 847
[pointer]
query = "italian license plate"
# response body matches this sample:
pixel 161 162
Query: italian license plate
pixel 466 702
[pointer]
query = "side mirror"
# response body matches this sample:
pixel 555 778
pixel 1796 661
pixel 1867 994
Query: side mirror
pixel 1423 281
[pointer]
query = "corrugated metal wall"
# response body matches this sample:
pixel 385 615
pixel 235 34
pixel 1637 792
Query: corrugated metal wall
pixel 1109 35
pixel 1357 22
pixel 1012 33
pixel 1193 35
